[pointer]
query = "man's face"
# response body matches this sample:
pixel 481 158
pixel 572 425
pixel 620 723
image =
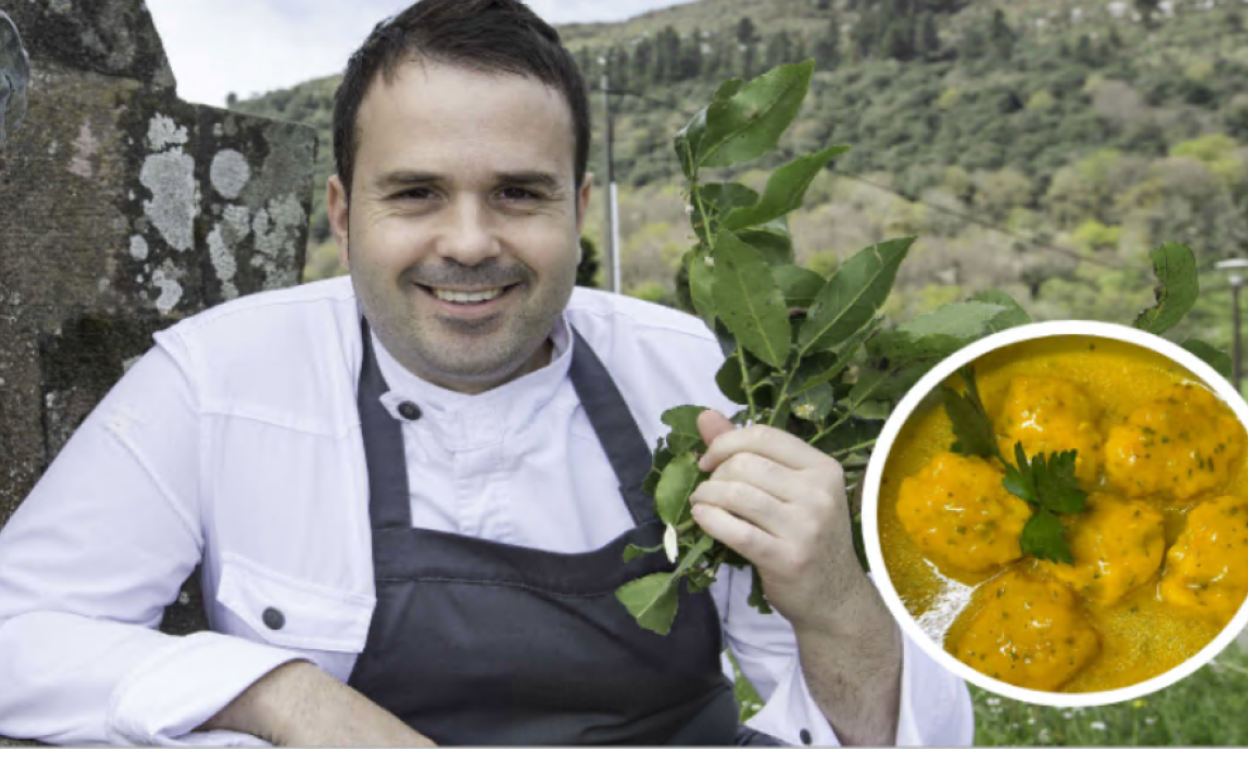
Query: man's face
pixel 462 233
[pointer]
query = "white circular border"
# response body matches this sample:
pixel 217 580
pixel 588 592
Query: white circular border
pixel 875 472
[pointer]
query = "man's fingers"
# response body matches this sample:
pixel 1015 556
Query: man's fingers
pixel 744 500
pixel 736 533
pixel 772 443
pixel 712 424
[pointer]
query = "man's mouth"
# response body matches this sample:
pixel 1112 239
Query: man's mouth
pixel 462 297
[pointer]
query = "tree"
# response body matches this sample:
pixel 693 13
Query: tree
pixel 231 100
pixel 1000 36
pixel 691 61
pixel 898 40
pixel 779 49
pixel 828 46
pixel 1147 9
pixel 747 34
pixel 927 45
pixel 587 270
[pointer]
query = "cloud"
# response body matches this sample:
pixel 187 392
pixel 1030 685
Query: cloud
pixel 253 46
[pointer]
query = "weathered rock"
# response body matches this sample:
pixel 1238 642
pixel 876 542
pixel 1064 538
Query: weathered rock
pixel 122 211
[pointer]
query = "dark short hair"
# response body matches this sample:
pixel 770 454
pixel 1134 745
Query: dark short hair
pixel 494 36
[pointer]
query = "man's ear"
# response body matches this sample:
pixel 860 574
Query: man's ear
pixel 338 209
pixel 582 201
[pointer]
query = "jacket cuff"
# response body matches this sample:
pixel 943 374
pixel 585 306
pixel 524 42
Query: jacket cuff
pixel 944 716
pixel 162 701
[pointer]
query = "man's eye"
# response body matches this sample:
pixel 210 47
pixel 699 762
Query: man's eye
pixel 416 193
pixel 519 194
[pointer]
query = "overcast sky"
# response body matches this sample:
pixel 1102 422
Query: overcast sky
pixel 253 46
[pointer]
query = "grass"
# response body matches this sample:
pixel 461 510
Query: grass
pixel 1209 708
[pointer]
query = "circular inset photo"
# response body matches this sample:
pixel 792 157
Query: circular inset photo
pixel 1058 513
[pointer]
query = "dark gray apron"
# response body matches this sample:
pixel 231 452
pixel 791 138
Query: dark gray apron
pixel 474 642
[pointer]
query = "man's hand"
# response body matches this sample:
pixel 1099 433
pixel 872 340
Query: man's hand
pixel 297 704
pixel 781 504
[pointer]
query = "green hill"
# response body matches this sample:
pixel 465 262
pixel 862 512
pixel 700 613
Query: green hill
pixel 1041 146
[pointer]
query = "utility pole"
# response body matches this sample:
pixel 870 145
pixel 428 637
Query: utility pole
pixel 1236 269
pixel 613 218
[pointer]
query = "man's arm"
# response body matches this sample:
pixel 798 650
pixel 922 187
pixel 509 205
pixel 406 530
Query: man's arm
pixel 297 704
pixel 781 504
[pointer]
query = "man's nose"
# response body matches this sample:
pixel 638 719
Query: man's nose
pixel 469 232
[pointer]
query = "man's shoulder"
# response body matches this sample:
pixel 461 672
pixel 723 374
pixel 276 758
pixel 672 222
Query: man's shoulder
pixel 271 309
pixel 599 313
pixel 273 334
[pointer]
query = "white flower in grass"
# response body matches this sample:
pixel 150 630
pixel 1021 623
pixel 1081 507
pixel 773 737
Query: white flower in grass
pixel 1098 726
pixel 994 701
pixel 670 546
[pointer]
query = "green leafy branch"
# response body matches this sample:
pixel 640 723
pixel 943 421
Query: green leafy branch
pixel 804 353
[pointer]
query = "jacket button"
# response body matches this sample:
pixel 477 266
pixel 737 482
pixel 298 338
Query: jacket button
pixel 409 411
pixel 805 736
pixel 273 618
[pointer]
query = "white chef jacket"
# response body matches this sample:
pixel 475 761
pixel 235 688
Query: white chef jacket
pixel 236 442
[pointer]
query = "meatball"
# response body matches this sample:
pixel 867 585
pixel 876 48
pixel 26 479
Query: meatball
pixel 1027 632
pixel 958 513
pixel 1051 415
pixel 1207 567
pixel 1179 446
pixel 1117 544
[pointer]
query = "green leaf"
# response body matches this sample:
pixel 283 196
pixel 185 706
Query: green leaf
pixel 701 284
pixel 1020 478
pixel 815 404
pixel 758 598
pixel 798 285
pixel 1220 361
pixel 1175 267
pixel 636 551
pixel 1043 538
pixel 971 424
pixel 746 125
pixel 851 436
pixel 815 370
pixel 748 301
pixel 671 498
pixel 652 600
pixel 1015 315
pixel 684 436
pixel 785 190
pixel 690 559
pixel 729 381
pixel 662 457
pixel 774 244
pixel 941 333
pixel 1056 486
pixel 720 199
pixel 853 295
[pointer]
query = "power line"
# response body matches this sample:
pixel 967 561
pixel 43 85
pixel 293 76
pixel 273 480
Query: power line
pixel 976 221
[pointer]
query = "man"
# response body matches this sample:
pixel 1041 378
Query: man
pixel 410 492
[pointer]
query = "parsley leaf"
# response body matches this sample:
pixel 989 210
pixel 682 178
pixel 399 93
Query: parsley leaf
pixel 1044 538
pixel 971 424
pixel 1046 482
pixel 1056 484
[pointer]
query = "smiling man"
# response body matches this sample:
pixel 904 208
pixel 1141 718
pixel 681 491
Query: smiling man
pixel 410 491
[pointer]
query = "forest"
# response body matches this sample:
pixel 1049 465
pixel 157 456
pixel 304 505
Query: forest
pixel 1037 146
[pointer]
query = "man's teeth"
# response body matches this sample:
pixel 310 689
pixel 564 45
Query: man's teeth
pixel 466 297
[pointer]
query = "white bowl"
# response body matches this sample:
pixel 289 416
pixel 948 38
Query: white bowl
pixel 875 472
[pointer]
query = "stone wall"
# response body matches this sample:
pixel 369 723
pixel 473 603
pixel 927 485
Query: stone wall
pixel 122 211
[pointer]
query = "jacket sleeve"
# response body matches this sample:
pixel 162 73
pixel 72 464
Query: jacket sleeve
pixel 935 705
pixel 89 562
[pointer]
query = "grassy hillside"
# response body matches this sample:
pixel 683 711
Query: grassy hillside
pixel 1041 146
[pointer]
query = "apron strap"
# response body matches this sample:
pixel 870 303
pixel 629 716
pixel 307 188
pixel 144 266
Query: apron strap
pixel 389 499
pixel 389 503
pixel 616 429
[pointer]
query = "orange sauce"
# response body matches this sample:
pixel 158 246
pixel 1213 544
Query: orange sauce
pixel 1141 636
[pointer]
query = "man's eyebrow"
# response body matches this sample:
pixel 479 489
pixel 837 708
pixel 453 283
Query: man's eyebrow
pixel 530 179
pixel 407 179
